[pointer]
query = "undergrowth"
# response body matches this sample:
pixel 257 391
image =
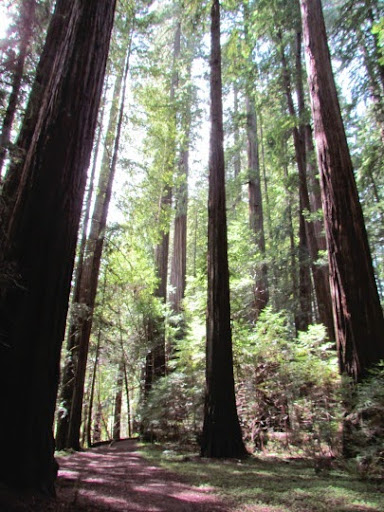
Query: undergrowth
pixel 274 484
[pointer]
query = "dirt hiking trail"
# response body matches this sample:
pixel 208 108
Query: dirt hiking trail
pixel 116 478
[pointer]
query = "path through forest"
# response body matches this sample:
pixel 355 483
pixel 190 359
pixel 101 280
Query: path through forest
pixel 117 478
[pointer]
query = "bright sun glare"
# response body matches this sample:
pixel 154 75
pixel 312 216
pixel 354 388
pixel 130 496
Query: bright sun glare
pixel 4 20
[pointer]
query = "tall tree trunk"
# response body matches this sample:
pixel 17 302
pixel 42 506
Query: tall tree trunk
pixel 129 412
pixel 26 25
pixel 221 432
pixel 68 372
pixel 179 255
pixel 320 274
pixel 236 133
pixel 265 179
pixel 358 315
pixel 155 364
pixel 292 246
pixel 40 222
pixel 116 433
pixel 93 252
pixel 304 315
pixel 256 219
pixel 92 392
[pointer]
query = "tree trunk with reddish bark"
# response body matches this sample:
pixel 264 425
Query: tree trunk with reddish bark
pixel 221 432
pixel 320 274
pixel 359 322
pixel 40 219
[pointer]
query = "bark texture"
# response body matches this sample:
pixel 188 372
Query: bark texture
pixel 40 220
pixel 359 322
pixel 221 432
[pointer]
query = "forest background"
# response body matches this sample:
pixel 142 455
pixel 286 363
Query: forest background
pixel 134 354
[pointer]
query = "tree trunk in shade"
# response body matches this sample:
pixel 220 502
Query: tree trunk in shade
pixel 40 218
pixel 221 431
pixel 116 433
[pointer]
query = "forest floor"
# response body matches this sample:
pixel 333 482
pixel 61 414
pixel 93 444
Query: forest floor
pixel 128 477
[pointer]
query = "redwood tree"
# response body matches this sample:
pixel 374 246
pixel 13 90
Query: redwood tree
pixel 359 322
pixel 221 432
pixel 41 208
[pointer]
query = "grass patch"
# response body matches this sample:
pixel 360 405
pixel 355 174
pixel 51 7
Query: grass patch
pixel 273 484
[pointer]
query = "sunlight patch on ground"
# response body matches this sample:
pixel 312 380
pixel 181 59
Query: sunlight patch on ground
pixel 68 473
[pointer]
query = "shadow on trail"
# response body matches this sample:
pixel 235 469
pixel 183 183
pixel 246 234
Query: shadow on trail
pixel 116 478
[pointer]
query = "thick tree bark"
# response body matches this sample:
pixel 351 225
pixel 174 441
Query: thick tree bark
pixel 357 312
pixel 26 25
pixel 221 432
pixel 40 222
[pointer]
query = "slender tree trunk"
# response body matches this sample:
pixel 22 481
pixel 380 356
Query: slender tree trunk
pixel 265 179
pixel 320 274
pixel 155 364
pixel 40 223
pixel 129 413
pixel 93 252
pixel 221 432
pixel 94 372
pixel 236 132
pixel 293 269
pixel 26 25
pixel 92 391
pixel 256 218
pixel 68 373
pixel 118 401
pixel 358 315
pixel 179 255
pixel 97 424
pixel 304 315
